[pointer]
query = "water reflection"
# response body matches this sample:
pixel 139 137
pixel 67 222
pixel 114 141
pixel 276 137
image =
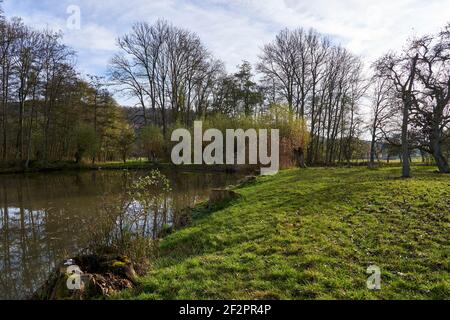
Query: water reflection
pixel 46 217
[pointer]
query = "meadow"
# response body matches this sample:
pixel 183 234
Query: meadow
pixel 312 234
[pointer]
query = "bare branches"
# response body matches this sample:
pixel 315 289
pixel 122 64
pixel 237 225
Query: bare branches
pixel 165 68
pixel 321 83
pixel 421 78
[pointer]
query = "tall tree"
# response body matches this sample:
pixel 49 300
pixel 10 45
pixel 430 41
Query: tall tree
pixel 431 107
pixel 165 67
pixel 381 112
pixel 249 93
pixel 401 71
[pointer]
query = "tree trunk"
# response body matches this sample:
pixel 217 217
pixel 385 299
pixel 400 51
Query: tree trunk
pixel 5 118
pixel 406 170
pixel 19 144
pixel 439 157
pixel 372 153
pixel 407 102
pixel 299 155
pixel 29 146
pixel 373 141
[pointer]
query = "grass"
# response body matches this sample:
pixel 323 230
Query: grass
pixel 311 234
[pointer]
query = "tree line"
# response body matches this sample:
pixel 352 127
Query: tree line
pixel 50 112
pixel 171 75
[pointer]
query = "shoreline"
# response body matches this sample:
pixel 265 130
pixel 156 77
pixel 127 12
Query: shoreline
pixel 71 167
pixel 278 232
pixel 138 165
pixel 290 233
pixel 107 272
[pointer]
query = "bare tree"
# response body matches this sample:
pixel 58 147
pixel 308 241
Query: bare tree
pixel 321 83
pixel 431 107
pixel 279 60
pixel 166 68
pixel 401 72
pixel 24 66
pixel 9 34
pixel 381 112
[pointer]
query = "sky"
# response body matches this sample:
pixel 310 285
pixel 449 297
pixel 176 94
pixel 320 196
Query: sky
pixel 236 30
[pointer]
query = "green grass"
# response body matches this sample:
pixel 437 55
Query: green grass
pixel 311 234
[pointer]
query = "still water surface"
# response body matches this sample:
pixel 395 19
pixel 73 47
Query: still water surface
pixel 45 218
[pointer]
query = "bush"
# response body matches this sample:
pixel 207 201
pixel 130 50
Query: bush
pixel 86 141
pixel 152 142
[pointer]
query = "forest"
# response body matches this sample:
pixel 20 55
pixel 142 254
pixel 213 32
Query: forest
pixel 51 112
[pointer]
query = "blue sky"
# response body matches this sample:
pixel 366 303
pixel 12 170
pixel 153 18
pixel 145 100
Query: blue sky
pixel 236 29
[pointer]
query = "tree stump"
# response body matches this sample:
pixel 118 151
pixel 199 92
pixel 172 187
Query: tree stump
pixel 222 195
pixel 100 276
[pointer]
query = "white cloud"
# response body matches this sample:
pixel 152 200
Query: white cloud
pixel 236 29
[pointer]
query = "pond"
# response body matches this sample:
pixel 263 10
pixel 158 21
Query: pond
pixel 47 217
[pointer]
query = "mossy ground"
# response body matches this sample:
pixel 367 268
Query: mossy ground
pixel 311 234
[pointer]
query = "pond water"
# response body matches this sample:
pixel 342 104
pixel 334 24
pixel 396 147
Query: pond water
pixel 45 218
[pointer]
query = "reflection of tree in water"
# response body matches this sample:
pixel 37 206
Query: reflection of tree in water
pixel 46 217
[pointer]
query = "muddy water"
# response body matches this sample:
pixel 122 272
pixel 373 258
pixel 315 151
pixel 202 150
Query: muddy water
pixel 46 217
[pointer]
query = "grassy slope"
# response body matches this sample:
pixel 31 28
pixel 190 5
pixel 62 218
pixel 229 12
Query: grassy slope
pixel 312 234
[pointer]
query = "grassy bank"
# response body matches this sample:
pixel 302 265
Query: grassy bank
pixel 311 234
